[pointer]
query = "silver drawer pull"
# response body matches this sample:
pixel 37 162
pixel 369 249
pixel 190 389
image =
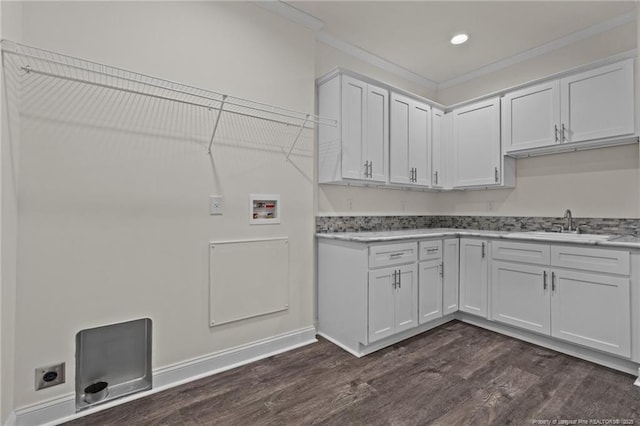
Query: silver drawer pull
pixel 432 250
pixel 395 255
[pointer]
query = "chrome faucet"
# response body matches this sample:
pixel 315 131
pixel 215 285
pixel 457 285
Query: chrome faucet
pixel 567 215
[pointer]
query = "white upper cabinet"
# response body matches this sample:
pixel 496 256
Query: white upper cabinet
pixel 531 117
pixel 357 149
pixel 476 144
pixel 589 106
pixel 440 149
pixel 410 141
pixel 598 103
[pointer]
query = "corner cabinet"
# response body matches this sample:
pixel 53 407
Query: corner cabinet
pixel 477 156
pixel 357 149
pixel 565 114
pixel 410 142
pixel 440 149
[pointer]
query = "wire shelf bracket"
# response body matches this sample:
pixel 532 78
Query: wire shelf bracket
pixel 32 60
pixel 295 141
pixel 215 126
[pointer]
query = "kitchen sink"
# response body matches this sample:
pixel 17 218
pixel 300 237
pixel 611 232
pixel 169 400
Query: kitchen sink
pixel 560 236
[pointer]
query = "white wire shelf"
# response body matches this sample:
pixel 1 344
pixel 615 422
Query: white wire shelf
pixel 35 61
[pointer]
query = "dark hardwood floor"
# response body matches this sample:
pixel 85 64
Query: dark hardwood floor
pixel 457 374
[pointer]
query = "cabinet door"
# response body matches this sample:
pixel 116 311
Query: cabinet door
pixel 598 103
pixel 531 117
pixel 450 282
pixel 399 140
pixel 429 290
pixel 521 296
pixel 420 137
pixel 438 147
pixel 592 310
pixel 406 298
pixel 382 303
pixel 377 133
pixel 473 276
pixel 476 144
pixel 410 141
pixel 354 97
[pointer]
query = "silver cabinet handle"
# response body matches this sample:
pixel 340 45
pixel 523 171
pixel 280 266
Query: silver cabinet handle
pixel 395 272
pixel 483 245
pixel 555 128
pixel 366 169
pixel 395 255
pixel 371 169
pixel 562 137
pixel 415 174
pixel 399 278
pixel 442 269
pixel 436 176
pixel 553 281
pixel 495 173
pixel 544 280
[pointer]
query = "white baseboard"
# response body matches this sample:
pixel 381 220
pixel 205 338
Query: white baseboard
pixel 63 409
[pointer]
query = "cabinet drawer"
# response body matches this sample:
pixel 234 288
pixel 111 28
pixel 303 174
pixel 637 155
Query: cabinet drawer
pixel 392 254
pixel 538 254
pixel 591 259
pixel 430 250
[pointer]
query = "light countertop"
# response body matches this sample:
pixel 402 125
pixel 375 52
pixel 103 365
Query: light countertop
pixel 630 242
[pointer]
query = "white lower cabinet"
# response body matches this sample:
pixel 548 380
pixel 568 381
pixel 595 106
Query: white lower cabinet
pixel 473 276
pixel 592 309
pixel 393 306
pixel 371 295
pixel 520 296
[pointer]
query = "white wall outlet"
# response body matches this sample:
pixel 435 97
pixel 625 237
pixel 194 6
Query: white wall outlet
pixel 215 204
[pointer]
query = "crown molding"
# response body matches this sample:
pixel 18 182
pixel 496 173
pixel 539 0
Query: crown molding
pixel 317 26
pixel 291 13
pixel 543 49
pixel 372 59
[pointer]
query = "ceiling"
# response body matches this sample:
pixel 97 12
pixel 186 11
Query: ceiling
pixel 413 36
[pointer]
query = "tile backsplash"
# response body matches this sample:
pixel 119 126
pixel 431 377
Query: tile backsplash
pixel 589 225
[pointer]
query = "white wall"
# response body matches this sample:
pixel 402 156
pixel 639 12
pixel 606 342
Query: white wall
pixel 10 28
pixel 114 224
pixel 597 183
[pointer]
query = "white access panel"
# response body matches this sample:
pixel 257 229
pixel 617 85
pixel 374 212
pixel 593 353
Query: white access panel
pixel 238 292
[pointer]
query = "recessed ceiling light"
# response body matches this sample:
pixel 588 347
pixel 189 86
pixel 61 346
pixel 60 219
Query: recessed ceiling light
pixel 459 38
